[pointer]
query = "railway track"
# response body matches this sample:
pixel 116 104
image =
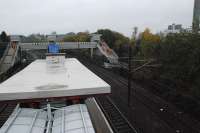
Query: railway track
pixel 116 119
pixel 179 122
pixel 175 119
pixel 5 112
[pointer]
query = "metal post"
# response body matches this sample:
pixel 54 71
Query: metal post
pixel 49 115
pixel 33 122
pixel 129 75
pixel 20 52
pixel 91 53
pixel 49 111
pixel 15 114
pixel 63 121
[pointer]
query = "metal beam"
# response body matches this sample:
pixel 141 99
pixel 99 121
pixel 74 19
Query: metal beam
pixel 63 122
pixel 16 113
pixel 49 118
pixel 83 119
pixel 91 53
pixel 33 122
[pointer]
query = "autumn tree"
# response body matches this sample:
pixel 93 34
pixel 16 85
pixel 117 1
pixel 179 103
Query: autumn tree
pixel 79 37
pixel 149 37
pixel 149 43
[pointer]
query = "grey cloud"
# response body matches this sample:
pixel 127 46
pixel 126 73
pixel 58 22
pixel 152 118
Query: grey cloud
pixel 45 16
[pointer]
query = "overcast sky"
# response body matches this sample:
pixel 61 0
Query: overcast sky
pixel 63 16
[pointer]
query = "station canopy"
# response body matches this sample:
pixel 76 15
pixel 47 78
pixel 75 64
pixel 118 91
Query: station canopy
pixel 38 80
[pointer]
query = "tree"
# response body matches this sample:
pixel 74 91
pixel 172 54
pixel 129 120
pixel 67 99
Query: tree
pixel 108 36
pixel 4 37
pixel 79 37
pixel 120 41
pixel 33 38
pixel 115 40
pixel 83 36
pixel 149 37
pixel 149 43
pixel 70 38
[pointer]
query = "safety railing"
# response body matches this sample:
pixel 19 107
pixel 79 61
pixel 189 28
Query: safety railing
pixel 15 56
pixel 63 45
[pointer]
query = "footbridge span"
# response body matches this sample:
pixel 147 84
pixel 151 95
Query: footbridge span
pixel 12 54
pixel 63 45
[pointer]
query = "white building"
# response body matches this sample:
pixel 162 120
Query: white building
pixel 174 28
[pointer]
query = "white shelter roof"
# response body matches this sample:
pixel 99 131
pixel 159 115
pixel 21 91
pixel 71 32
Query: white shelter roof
pixel 72 119
pixel 38 81
pixel 25 120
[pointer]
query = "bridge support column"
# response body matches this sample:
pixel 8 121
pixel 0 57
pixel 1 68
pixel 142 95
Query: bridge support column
pixel 91 52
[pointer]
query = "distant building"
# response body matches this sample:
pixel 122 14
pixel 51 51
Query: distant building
pixel 187 30
pixel 196 16
pixel 174 28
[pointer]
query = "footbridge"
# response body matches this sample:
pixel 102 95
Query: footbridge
pixel 14 50
pixel 63 45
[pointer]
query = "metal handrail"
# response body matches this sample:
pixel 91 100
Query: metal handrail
pixel 63 45
pixel 83 119
pixel 15 56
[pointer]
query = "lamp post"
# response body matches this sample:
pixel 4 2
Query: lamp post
pixel 129 74
pixel 134 36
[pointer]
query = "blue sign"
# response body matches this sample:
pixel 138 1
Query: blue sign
pixel 53 48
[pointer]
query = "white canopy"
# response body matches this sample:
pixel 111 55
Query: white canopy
pixel 39 81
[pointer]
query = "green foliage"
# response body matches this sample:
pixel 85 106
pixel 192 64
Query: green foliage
pixel 149 44
pixel 34 38
pixel 70 38
pixel 83 37
pixel 4 37
pixel 180 56
pixel 147 50
pixel 114 39
pixel 108 36
pixel 80 37
pixel 120 40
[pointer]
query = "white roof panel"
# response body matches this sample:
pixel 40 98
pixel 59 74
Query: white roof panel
pixel 72 119
pixel 25 120
pixel 37 81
